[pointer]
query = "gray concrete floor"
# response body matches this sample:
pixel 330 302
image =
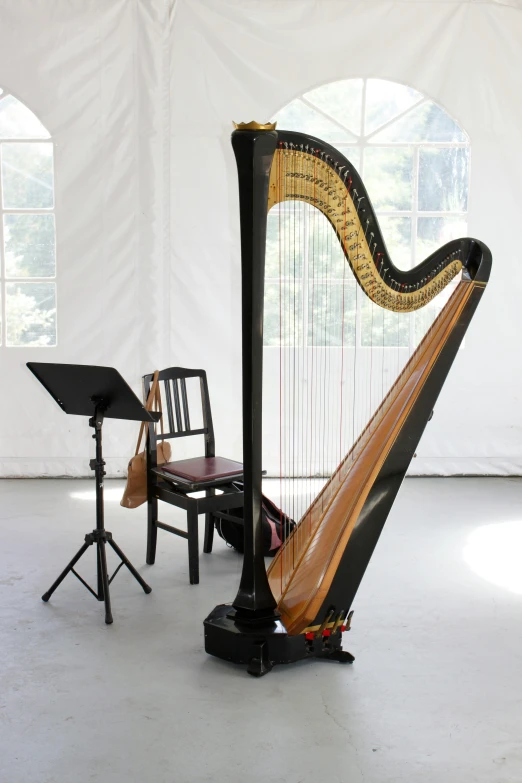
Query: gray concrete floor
pixel 434 696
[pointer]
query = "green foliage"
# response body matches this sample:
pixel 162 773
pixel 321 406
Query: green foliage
pixel 385 100
pixel 382 328
pixel 388 177
pixel 425 122
pixel 443 179
pixel 397 236
pixel 31 313
pixel 319 273
pixel 29 245
pixel 27 175
pixel 332 307
pixel 340 100
pixel 29 242
pixel 283 319
pixel 298 116
pixel 284 245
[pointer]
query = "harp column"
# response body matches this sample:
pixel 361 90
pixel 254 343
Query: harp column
pixel 254 146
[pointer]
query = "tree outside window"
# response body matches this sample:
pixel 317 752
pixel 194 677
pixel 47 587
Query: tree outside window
pixel 27 228
pixel 414 160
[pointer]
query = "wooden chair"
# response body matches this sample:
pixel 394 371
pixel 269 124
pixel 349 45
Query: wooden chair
pixel 175 482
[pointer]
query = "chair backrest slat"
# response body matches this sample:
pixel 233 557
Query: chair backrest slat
pixel 184 400
pixel 168 398
pixel 177 406
pixel 176 398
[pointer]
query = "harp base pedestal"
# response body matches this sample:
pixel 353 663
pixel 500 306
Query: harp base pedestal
pixel 262 647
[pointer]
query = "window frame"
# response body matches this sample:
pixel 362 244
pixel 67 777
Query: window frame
pixel 4 279
pixel 361 144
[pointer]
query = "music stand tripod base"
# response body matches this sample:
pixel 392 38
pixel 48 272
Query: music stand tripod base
pixel 82 389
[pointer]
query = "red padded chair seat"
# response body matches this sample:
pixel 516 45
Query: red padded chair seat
pixel 203 468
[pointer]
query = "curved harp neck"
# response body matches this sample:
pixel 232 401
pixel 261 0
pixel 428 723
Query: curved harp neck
pixel 305 169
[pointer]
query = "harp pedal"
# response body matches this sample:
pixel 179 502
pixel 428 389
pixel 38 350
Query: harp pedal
pixel 325 641
pixel 341 656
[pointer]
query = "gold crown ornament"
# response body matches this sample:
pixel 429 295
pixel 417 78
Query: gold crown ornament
pixel 255 126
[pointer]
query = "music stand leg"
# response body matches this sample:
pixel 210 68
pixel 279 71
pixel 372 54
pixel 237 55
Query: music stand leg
pixel 48 594
pixel 104 594
pixel 137 576
pixel 99 577
pixel 99 536
pixel 69 385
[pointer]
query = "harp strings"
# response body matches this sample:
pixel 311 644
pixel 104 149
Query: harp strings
pixel 339 356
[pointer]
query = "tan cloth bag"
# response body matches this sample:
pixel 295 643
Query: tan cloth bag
pixel 135 492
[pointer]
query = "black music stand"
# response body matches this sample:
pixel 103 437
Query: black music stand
pixel 97 392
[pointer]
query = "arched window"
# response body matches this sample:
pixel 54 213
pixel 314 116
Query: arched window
pixel 414 160
pixel 27 228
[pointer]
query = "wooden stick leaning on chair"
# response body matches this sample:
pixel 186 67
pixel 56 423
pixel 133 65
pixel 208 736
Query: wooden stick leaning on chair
pixel 135 492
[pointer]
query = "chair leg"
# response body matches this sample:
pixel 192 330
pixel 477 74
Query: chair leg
pixel 209 526
pixel 152 530
pixel 193 544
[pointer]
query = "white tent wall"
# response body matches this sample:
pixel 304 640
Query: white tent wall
pixel 245 59
pixel 139 95
pixel 94 75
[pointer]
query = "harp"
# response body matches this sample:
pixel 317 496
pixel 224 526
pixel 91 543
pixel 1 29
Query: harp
pixel 302 605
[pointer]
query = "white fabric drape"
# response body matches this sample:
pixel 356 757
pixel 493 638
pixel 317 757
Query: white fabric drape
pixel 139 97
pixel 95 74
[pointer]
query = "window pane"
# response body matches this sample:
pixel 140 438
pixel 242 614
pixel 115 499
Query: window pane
pixel 342 101
pixel 27 175
pixel 443 179
pixel 396 232
pixel 325 254
pixel 285 240
pixel 353 154
pixel 427 122
pixel 329 306
pixel 297 116
pixel 425 317
pixel 18 122
pixel 282 313
pixel 388 177
pixel 380 327
pixel 31 314
pixel 432 232
pixel 385 100
pixel 29 245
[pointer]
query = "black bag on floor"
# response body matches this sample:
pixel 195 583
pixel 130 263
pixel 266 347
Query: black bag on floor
pixel 276 525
